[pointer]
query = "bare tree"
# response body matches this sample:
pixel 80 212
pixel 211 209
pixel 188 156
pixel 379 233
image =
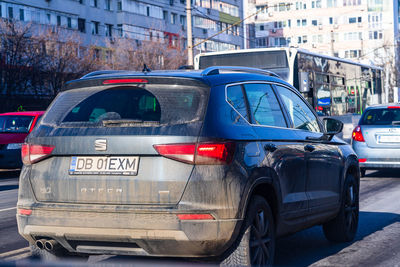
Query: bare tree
pixel 127 54
pixel 20 58
pixel 65 57
pixel 385 58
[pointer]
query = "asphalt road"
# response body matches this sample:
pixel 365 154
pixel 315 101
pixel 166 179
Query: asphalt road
pixel 9 237
pixel 377 242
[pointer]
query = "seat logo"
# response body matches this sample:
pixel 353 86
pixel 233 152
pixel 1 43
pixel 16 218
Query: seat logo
pixel 100 144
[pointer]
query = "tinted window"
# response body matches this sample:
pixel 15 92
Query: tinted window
pixel 116 104
pixel 236 99
pixel 15 124
pixel 381 116
pixel 157 104
pixel 270 59
pixel 302 116
pixel 264 106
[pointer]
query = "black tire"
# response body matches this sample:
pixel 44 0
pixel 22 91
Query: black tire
pixel 362 172
pixel 343 228
pixel 256 243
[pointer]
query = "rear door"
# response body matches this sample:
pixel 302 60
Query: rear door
pixel 282 152
pixel 104 137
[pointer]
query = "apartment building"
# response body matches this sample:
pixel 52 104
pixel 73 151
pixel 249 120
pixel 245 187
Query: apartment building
pixel 139 20
pixel 366 31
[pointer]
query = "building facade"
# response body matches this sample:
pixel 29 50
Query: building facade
pixel 365 31
pixel 159 20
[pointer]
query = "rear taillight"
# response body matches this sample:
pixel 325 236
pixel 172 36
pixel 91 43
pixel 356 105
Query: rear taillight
pixel 33 153
pixel 357 135
pixel 201 153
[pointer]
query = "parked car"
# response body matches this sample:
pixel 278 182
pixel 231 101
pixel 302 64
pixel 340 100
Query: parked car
pixel 215 163
pixel 14 127
pixel 376 139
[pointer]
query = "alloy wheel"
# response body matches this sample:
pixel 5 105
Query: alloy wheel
pixel 261 239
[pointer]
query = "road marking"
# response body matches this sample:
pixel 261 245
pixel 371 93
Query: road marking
pixel 19 257
pixel 8 209
pixel 13 253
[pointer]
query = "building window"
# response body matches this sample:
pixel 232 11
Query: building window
pixel 298 23
pixel 69 23
pixel 120 30
pixel 173 18
pixel 304 22
pixel 119 5
pixel 304 39
pixel 107 4
pixel 10 12
pixel 182 20
pixel 93 3
pixel 109 30
pixel 95 27
pixel 330 20
pixel 58 20
pixel 21 14
pixel 165 15
pixel 314 22
pixel 332 3
pixel 148 11
pixel 81 25
pixel 48 18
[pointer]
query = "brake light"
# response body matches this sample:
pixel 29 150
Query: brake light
pixel 34 153
pixel 117 81
pixel 362 160
pixel 201 153
pixel 195 217
pixel 357 134
pixel 24 212
pixel 393 107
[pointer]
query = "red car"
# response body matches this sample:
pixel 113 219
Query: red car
pixel 14 128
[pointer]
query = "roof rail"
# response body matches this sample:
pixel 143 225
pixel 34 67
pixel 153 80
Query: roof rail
pixel 100 72
pixel 220 69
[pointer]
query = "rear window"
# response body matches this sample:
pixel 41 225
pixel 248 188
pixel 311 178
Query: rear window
pixel 128 106
pixel 15 124
pixel 381 116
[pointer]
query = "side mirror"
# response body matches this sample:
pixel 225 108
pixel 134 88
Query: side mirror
pixel 332 126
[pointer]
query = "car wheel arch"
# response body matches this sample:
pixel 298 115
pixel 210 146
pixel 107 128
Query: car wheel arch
pixel 267 188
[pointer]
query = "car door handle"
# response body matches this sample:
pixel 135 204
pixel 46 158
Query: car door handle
pixel 309 148
pixel 270 147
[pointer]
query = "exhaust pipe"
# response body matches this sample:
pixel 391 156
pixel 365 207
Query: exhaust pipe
pixel 51 245
pixel 40 243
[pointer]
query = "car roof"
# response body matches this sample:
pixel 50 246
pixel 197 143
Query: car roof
pixel 24 113
pixel 380 106
pixel 209 76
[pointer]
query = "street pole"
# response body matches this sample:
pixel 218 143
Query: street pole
pixel 189 32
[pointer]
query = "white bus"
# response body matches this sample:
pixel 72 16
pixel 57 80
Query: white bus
pixel 333 86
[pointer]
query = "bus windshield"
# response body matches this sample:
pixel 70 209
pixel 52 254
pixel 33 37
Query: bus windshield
pixel 275 61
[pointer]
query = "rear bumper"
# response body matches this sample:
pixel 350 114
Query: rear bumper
pixel 127 233
pixel 377 157
pixel 10 158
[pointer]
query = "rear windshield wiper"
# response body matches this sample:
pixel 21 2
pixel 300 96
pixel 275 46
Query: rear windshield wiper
pixel 128 123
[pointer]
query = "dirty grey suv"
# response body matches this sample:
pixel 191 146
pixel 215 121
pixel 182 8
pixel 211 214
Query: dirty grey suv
pixel 208 164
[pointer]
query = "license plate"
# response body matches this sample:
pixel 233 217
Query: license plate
pixel 389 138
pixel 104 165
